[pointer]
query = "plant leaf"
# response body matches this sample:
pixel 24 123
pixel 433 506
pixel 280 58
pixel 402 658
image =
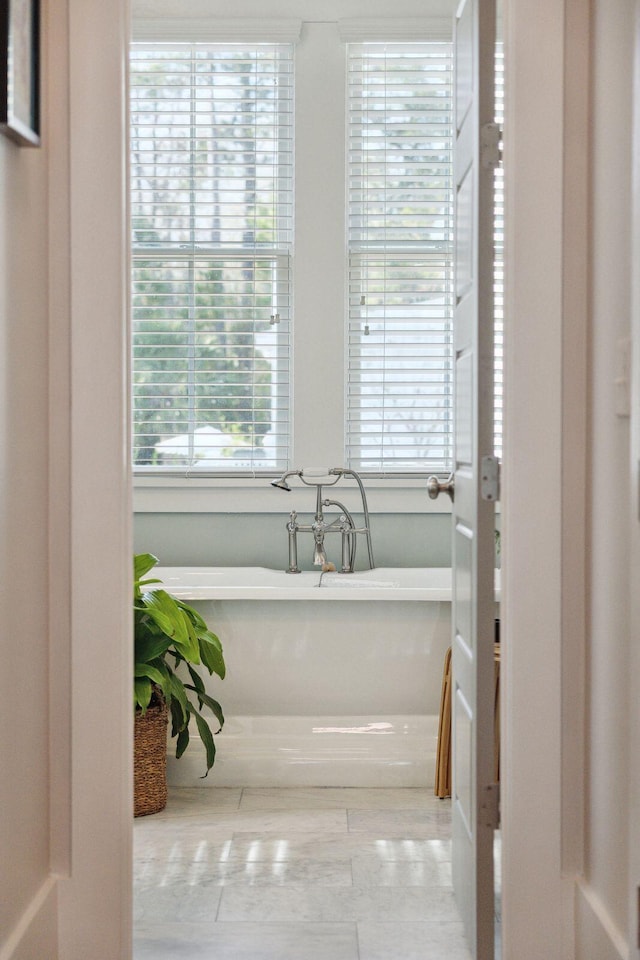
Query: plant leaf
pixel 142 563
pixel 149 646
pixel 158 673
pixel 207 738
pixel 191 649
pixel 198 684
pixel 142 690
pixel 182 742
pixel 178 693
pixel 193 615
pixel 164 611
pixel 208 701
pixel 211 653
pixel 168 616
pixel 177 718
pixel 150 671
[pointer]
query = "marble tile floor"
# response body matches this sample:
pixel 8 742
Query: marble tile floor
pixel 296 874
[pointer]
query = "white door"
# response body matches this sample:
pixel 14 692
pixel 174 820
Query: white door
pixel 474 794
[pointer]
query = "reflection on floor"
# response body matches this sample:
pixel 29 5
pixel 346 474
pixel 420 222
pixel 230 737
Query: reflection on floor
pixel 296 874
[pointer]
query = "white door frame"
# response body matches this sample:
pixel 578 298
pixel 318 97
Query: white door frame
pixel 90 503
pixel 634 522
pixel 546 149
pixel 94 899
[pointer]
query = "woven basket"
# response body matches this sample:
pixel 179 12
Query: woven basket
pixel 150 759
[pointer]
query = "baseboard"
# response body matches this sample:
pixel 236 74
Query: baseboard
pixel 597 936
pixel 36 932
pixel 397 751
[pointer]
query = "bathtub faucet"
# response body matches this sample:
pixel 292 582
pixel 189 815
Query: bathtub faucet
pixel 344 524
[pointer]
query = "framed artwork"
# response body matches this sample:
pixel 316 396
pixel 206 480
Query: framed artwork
pixel 20 70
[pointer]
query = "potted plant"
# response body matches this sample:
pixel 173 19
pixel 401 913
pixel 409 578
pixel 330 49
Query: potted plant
pixel 170 640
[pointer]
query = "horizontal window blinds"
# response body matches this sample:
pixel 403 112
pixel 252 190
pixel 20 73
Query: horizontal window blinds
pixel 400 236
pixel 498 290
pixel 211 214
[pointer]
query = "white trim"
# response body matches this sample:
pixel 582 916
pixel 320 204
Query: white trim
pixel 634 524
pixel 95 911
pixel 59 440
pixel 597 937
pixel 395 30
pixel 34 925
pixel 576 258
pixel 213 30
pixel 250 495
pixel 541 924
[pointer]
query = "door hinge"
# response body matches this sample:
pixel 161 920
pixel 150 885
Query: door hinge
pixel 490 154
pixel 490 478
pixel 490 806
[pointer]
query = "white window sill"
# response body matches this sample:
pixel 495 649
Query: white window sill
pixel 233 495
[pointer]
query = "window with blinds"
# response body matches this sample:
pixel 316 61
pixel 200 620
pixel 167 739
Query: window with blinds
pixel 400 237
pixel 212 215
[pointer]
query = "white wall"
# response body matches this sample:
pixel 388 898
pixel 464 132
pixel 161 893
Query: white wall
pixel 314 10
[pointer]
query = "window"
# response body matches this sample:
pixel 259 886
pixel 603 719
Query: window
pixel 400 230
pixel 227 381
pixel 212 231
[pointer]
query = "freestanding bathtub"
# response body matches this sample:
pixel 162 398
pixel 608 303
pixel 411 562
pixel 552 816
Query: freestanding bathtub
pixel 332 679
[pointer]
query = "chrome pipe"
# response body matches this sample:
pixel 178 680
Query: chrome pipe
pixel 352 473
pixel 292 531
pixel 349 540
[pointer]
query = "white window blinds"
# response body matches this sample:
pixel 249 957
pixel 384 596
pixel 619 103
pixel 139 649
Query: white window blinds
pixel 498 289
pixel 400 235
pixel 212 213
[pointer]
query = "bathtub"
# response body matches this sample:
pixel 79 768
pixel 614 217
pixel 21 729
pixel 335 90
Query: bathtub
pixel 332 679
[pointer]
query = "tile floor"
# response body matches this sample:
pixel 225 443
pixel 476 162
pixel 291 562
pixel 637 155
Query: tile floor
pixel 296 874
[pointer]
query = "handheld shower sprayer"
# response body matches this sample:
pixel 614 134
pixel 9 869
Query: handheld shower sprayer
pixel 281 482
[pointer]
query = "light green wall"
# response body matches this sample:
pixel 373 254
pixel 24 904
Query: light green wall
pixel 226 539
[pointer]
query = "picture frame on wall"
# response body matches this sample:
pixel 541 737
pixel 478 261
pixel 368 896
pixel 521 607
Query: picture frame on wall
pixel 20 71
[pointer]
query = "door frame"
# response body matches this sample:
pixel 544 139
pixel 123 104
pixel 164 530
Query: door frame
pixel 90 562
pixel 95 494
pixel 634 519
pixel 543 502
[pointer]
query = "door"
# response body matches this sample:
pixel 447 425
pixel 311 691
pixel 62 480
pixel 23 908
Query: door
pixel 474 794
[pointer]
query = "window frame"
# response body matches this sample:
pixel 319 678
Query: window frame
pixel 319 381
pixel 192 258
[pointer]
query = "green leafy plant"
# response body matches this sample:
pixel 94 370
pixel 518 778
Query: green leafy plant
pixel 168 635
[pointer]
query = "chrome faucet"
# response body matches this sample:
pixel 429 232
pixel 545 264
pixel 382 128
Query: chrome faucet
pixel 343 524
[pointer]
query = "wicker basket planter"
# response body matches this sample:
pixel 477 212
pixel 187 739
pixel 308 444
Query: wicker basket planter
pixel 150 759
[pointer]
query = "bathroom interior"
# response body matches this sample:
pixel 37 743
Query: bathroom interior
pixel 314 551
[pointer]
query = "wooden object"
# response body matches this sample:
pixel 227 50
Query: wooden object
pixel 442 787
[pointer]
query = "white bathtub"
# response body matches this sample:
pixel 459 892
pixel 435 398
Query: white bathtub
pixel 260 583
pixel 331 681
